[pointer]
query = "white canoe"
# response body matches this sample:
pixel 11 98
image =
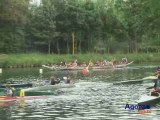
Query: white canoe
pixel 49 87
pixel 148 100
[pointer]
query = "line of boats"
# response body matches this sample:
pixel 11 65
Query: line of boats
pixel 55 67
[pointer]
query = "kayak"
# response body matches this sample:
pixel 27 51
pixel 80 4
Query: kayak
pixel 148 100
pixel 49 87
pixel 140 81
pixel 35 93
pixel 7 99
pixel 11 99
pixel 17 85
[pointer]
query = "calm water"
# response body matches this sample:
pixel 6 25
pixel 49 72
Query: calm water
pixel 94 97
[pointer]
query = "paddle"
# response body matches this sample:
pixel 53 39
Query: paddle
pixel 150 87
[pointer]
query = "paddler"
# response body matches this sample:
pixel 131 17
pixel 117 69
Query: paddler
pixel 67 79
pixel 54 81
pixel 9 90
pixel 157 82
pixel 156 91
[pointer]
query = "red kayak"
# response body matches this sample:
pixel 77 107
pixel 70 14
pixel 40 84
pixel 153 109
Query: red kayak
pixel 10 99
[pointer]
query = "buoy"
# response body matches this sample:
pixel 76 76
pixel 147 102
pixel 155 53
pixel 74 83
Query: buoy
pixel 22 93
pixel 0 70
pixel 85 71
pixel 40 71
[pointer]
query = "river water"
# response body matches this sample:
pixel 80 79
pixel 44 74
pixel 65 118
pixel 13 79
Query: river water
pixel 94 96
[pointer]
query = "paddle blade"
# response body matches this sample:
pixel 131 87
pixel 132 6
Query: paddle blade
pixel 150 87
pixel 150 78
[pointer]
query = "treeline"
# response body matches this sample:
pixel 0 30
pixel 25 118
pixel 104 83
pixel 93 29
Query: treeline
pixel 102 26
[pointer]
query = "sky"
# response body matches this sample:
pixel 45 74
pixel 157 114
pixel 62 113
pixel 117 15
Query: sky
pixel 35 2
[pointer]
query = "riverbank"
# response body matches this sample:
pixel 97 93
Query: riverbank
pixel 37 59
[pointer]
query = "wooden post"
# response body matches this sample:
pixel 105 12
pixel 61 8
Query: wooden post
pixel 73 43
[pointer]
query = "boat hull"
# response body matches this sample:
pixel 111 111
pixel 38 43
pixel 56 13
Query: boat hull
pixel 49 87
pixel 17 85
pixel 11 99
pixel 148 100
pixel 35 93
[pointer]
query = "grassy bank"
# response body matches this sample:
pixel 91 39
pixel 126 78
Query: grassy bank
pixel 36 59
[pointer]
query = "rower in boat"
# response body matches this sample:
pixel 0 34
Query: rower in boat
pixel 111 63
pixel 54 81
pixel 83 64
pixel 72 65
pixel 10 91
pixel 67 80
pixel 124 60
pixel 156 91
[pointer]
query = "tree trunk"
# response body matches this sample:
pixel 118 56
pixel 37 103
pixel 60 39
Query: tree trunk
pixel 79 46
pixel 58 50
pixel 67 47
pixel 49 47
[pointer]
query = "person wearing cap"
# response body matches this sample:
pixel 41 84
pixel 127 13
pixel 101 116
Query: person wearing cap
pixel 9 90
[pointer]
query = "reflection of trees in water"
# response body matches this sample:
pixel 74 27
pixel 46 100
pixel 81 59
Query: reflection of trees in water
pixel 6 112
pixel 102 75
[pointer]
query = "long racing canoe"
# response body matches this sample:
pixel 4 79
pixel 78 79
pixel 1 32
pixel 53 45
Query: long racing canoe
pixel 81 68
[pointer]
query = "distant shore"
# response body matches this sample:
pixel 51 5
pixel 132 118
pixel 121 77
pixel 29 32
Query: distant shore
pixel 37 59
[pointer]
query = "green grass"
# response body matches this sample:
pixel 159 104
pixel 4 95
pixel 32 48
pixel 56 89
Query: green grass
pixel 39 59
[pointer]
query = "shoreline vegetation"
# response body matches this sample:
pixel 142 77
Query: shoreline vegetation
pixel 38 59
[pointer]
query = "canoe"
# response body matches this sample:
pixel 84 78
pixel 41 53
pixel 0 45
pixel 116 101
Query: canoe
pixel 140 81
pixel 71 68
pixel 35 93
pixel 148 100
pixel 7 99
pixel 49 87
pixel 17 85
pixel 149 79
pixel 81 68
pixel 11 99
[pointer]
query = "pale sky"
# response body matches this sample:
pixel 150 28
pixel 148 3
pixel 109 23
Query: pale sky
pixel 37 2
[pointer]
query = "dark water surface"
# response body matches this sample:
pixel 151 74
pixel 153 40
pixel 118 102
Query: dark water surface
pixel 93 98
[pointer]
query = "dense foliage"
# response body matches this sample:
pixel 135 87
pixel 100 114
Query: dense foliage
pixel 103 26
